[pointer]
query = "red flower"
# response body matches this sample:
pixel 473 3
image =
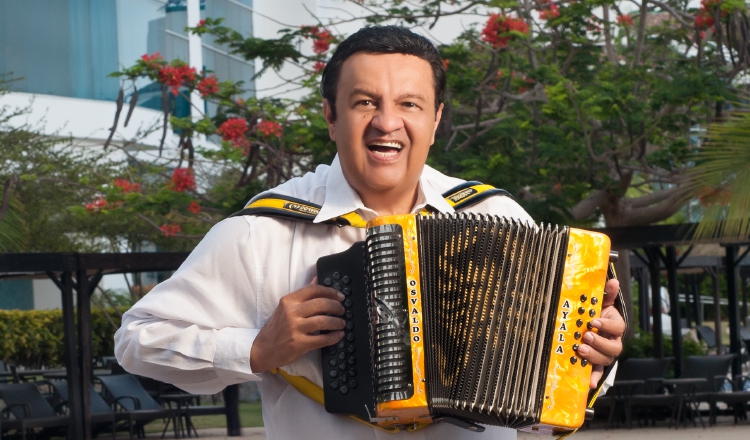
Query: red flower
pixel 153 61
pixel 170 229
pixel 319 66
pixel 269 128
pixel 549 14
pixel 322 39
pixel 446 63
pixel 97 205
pixel 201 23
pixel 208 86
pixel 625 20
pixel 182 180
pixel 703 20
pixel 127 187
pixel 174 76
pixel 194 207
pixel 233 129
pixel 498 29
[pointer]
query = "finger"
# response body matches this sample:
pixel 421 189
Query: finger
pixel 313 342
pixel 602 353
pixel 314 280
pixel 315 291
pixel 612 288
pixel 613 326
pixel 320 306
pixel 321 323
pixel 596 375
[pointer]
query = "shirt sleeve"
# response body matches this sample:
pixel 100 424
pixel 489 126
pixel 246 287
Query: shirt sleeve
pixel 196 329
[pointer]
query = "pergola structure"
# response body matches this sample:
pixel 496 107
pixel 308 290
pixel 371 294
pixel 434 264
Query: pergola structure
pixel 654 250
pixel 78 274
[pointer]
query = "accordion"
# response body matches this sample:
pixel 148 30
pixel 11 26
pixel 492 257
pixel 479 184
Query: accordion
pixel 466 319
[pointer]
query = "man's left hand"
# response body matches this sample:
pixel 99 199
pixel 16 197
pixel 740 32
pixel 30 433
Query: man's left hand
pixel 601 348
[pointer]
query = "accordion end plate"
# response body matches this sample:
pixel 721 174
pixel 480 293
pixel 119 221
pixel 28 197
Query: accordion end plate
pixel 568 376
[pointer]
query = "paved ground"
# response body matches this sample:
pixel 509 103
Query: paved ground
pixel 725 430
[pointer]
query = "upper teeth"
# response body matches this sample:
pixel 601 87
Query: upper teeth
pixel 388 144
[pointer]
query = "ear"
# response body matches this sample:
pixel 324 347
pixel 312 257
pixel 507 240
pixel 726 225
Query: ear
pixel 438 115
pixel 328 115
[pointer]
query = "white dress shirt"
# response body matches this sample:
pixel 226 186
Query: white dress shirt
pixel 196 329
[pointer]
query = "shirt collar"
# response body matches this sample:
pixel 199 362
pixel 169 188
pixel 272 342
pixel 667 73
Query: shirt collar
pixel 340 197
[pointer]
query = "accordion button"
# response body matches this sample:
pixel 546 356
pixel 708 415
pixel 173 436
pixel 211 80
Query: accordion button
pixel 349 315
pixel 346 280
pixel 584 362
pixel 338 286
pixel 332 362
pixel 573 359
pixel 594 300
pixel 581 310
pixel 332 350
pixel 592 313
pixel 342 367
pixel 589 326
pixel 353 384
pixel 347 303
pixel 575 347
pixel 577 335
pixel 579 322
pixel 347 291
pixel 349 325
pixel 344 389
pixel 343 379
pixel 327 282
pixel 342 356
pixel 350 349
pixel 583 298
pixel 336 276
pixel 334 385
pixel 350 337
pixel 352 372
pixel 341 345
pixel 351 360
pixel 333 374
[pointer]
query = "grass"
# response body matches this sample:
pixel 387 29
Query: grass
pixel 250 417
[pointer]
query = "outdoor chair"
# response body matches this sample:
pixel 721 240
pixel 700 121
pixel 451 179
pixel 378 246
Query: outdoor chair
pixel 26 409
pixel 713 369
pixel 640 388
pixel 125 391
pixel 707 335
pixel 102 415
pixel 736 397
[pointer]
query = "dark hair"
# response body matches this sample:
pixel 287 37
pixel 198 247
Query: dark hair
pixel 382 39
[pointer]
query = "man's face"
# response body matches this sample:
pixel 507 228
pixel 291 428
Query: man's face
pixel 385 122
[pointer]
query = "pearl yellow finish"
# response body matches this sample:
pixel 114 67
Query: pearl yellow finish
pixel 567 387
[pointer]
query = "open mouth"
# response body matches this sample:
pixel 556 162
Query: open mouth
pixel 385 149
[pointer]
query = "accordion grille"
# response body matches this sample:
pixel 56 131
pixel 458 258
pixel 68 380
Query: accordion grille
pixel 490 288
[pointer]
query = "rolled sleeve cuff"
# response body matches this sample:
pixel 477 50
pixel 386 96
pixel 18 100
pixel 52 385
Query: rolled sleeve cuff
pixel 232 355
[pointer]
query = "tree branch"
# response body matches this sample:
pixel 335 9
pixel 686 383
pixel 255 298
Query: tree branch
pixel 587 206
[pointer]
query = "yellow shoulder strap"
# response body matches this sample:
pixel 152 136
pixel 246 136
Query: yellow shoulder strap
pixel 277 205
pixel 314 392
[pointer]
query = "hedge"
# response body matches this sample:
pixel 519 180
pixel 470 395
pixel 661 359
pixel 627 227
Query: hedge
pixel 34 338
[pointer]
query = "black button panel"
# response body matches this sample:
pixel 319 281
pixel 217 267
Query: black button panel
pixel 345 392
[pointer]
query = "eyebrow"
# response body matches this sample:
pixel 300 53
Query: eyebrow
pixel 360 91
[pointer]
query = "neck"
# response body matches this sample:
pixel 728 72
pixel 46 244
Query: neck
pixel 393 202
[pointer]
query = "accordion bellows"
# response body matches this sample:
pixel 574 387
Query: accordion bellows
pixel 477 318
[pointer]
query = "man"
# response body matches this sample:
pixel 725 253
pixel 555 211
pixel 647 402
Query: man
pixel 227 315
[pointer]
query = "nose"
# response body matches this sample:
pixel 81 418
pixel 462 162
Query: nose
pixel 387 119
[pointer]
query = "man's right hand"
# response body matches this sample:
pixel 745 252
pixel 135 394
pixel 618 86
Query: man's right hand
pixel 293 328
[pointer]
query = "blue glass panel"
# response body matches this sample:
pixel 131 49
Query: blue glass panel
pixel 16 294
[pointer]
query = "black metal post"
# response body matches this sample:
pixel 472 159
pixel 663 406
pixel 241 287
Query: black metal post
pixel 232 404
pixel 686 287
pixel 71 354
pixel 743 312
pixel 674 311
pixel 734 317
pixel 643 298
pixel 654 266
pixel 695 281
pixel 84 349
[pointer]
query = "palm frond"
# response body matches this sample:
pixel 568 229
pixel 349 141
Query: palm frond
pixel 721 178
pixel 14 231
